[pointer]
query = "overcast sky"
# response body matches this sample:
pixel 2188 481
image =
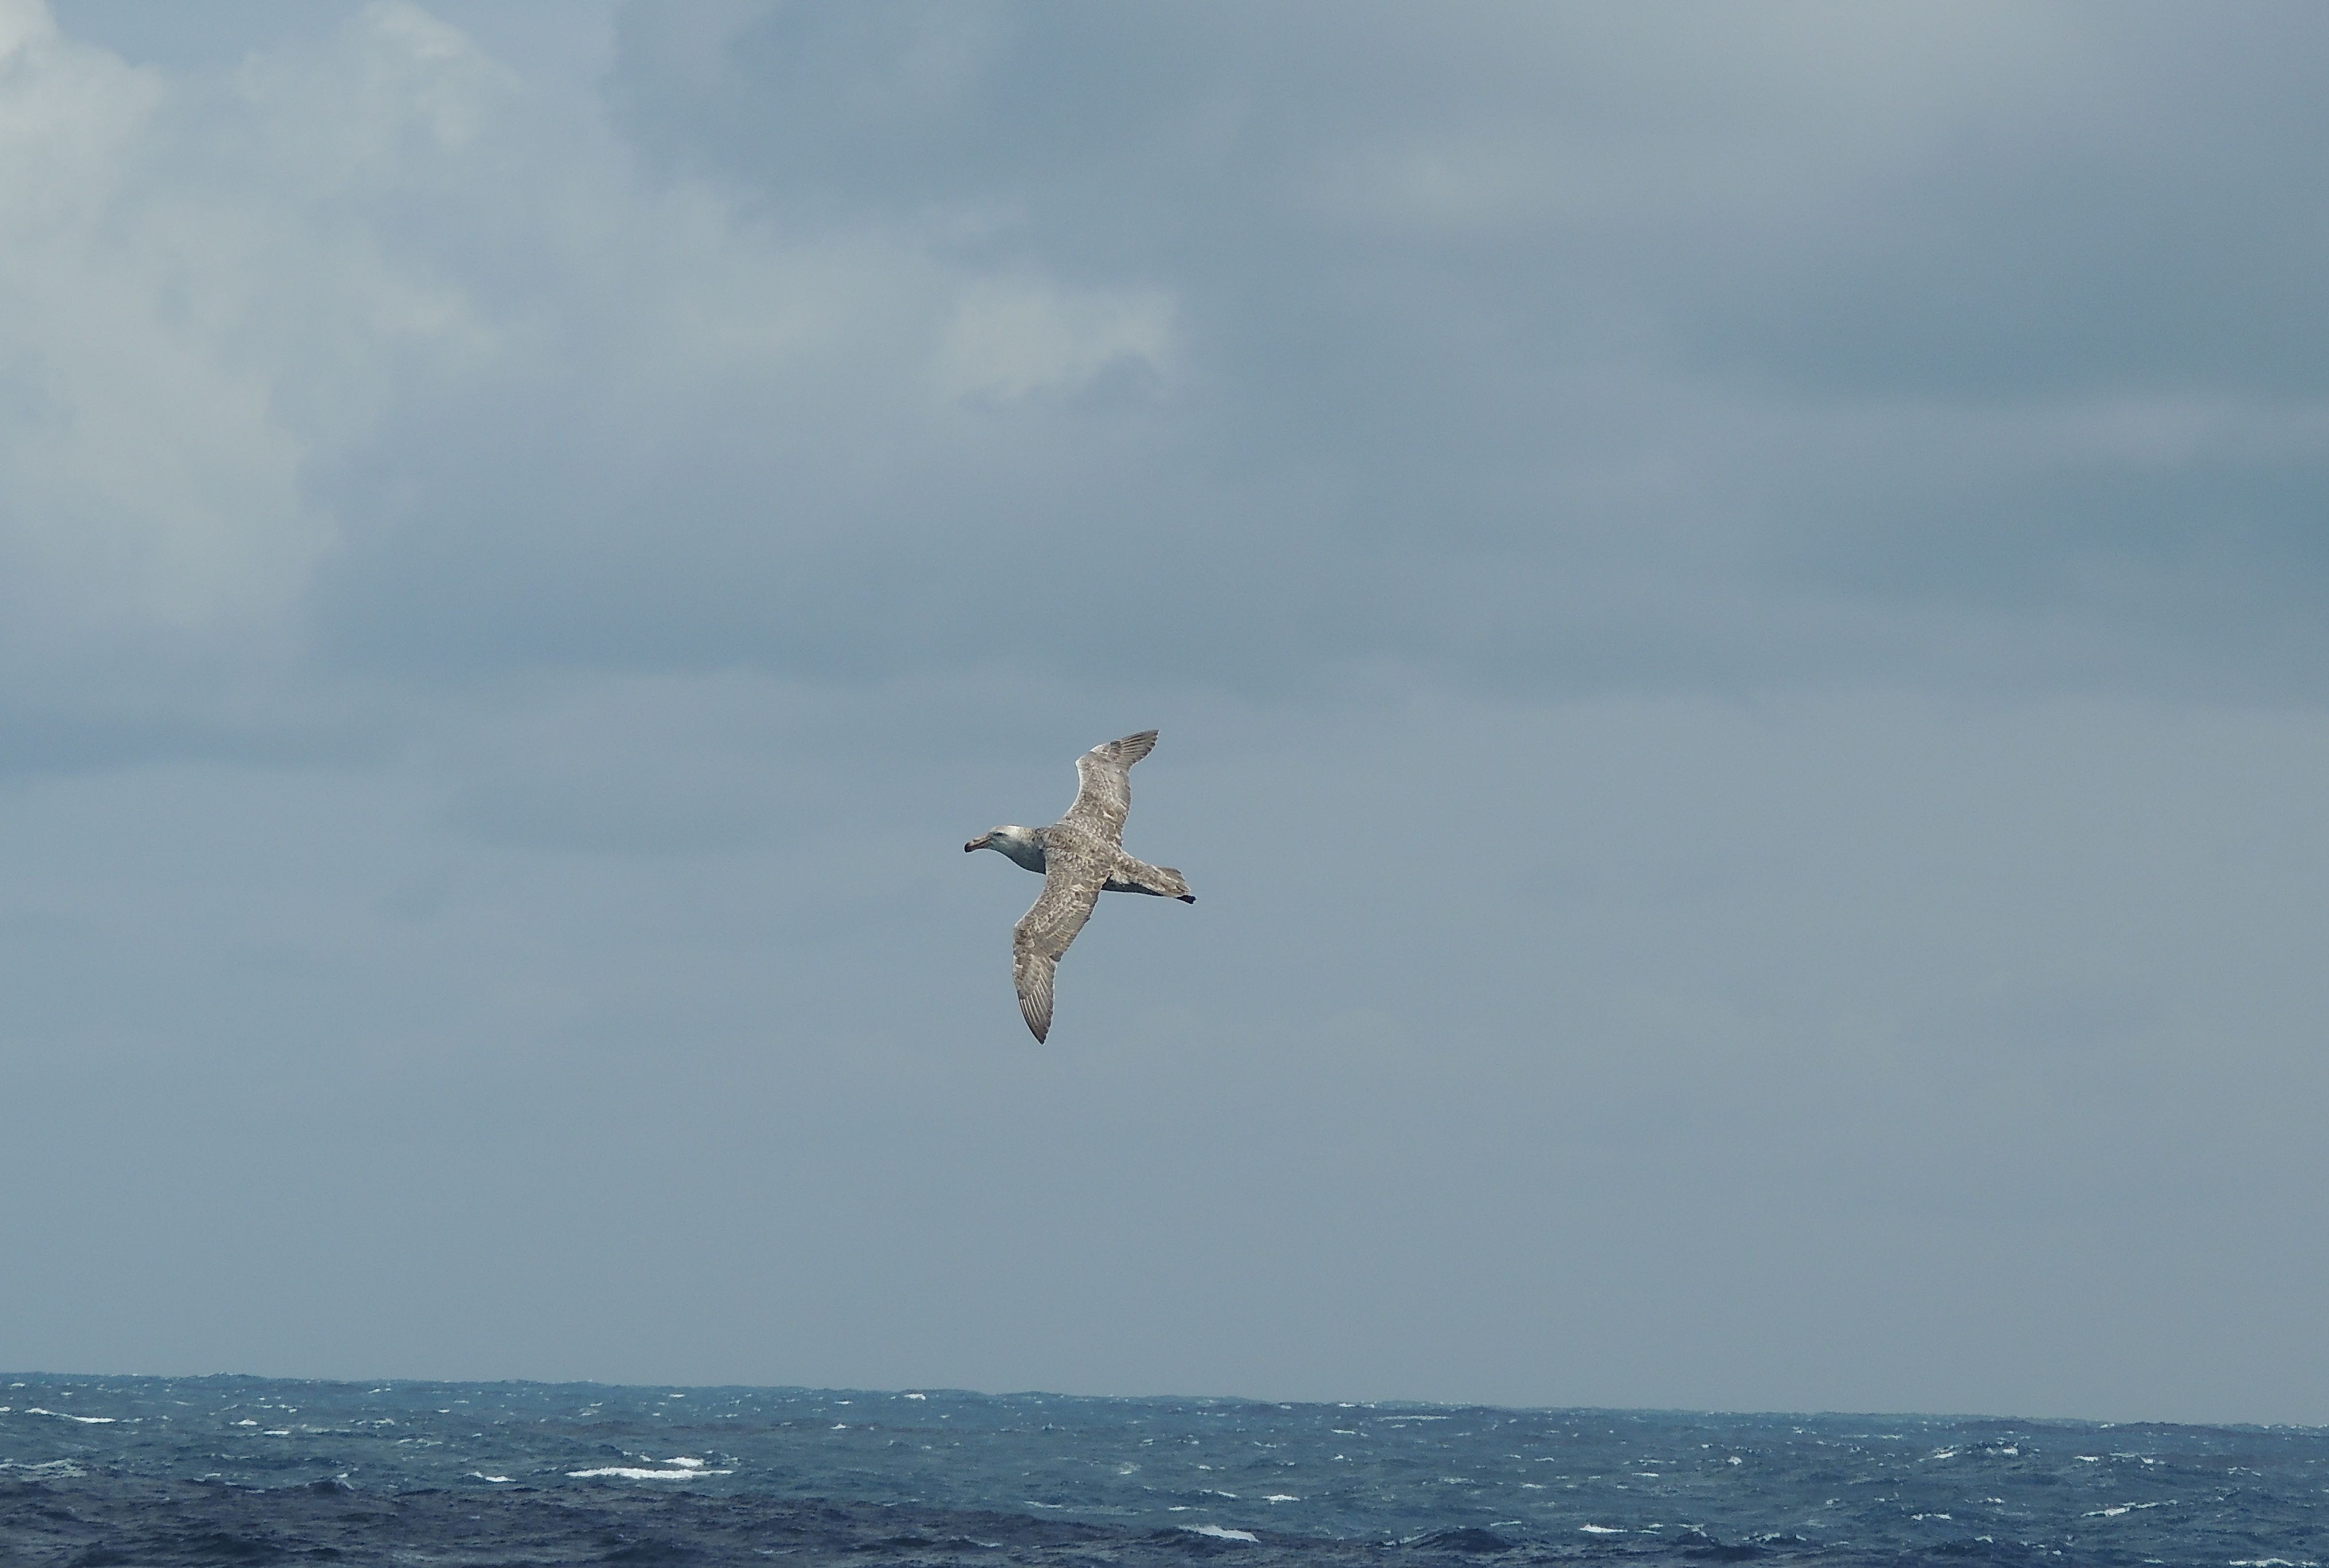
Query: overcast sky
pixel 1737 598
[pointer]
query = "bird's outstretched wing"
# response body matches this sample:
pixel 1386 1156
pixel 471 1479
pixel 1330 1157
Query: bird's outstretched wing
pixel 1104 785
pixel 1071 885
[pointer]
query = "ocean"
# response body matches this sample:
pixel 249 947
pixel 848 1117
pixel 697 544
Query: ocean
pixel 136 1471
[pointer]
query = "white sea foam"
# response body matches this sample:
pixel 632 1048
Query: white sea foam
pixel 1601 1529
pixel 1222 1533
pixel 2123 1509
pixel 686 1472
pixel 918 1396
pixel 483 1476
pixel 66 1415
pixel 1280 1497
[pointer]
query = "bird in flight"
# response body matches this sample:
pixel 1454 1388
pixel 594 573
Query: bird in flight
pixel 1080 857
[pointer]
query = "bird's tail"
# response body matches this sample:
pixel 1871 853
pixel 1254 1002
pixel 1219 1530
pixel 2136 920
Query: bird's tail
pixel 1158 881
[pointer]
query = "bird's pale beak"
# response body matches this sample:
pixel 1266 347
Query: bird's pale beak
pixel 977 844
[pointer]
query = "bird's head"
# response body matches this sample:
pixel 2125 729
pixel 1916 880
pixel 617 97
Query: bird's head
pixel 1014 843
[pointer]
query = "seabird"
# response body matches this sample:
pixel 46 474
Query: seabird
pixel 1080 857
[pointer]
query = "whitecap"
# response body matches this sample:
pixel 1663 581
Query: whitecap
pixel 64 1415
pixel 483 1476
pixel 1222 1533
pixel 918 1396
pixel 634 1473
pixel 1601 1529
pixel 1280 1497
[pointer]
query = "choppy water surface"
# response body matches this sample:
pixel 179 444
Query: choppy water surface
pixel 150 1470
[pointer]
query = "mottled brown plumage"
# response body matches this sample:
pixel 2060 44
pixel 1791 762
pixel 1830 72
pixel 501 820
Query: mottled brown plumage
pixel 1081 855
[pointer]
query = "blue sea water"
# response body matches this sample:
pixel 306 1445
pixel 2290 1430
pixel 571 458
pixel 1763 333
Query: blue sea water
pixel 238 1469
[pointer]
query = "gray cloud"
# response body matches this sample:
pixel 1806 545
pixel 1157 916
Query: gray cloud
pixel 1537 349
pixel 1734 597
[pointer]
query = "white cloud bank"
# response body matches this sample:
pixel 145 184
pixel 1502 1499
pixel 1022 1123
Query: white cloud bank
pixel 329 301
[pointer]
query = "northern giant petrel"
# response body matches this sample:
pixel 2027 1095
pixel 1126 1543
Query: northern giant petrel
pixel 1081 855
